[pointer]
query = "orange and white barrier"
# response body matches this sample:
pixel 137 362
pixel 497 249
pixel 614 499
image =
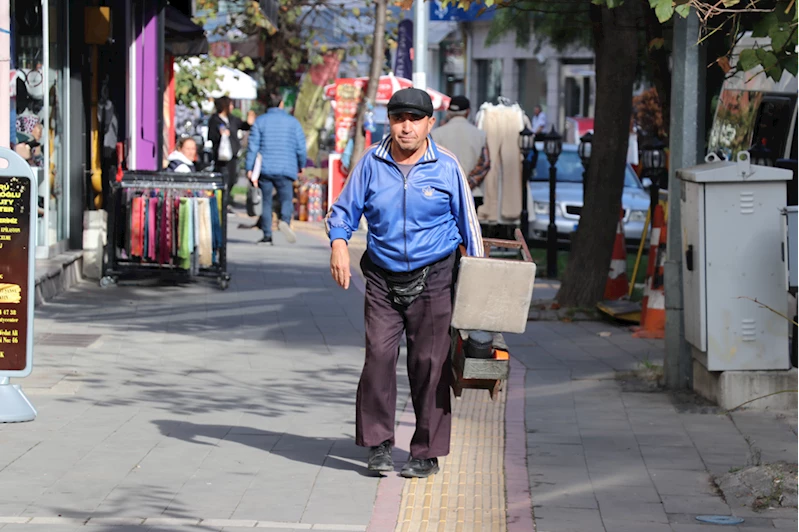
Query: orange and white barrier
pixel 617 285
pixel 653 306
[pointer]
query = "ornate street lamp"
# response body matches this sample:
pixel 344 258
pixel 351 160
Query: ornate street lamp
pixel 584 151
pixel 553 144
pixel 526 145
pixel 653 159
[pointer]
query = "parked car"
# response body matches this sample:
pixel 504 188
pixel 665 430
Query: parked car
pixel 569 198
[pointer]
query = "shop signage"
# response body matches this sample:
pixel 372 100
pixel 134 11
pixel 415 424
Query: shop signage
pixel 403 66
pixel 17 227
pixel 452 13
pixel 348 94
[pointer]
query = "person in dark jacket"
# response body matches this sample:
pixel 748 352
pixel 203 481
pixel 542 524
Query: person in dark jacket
pixel 280 140
pixel 225 124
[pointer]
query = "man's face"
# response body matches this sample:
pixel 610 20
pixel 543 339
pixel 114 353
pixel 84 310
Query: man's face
pixel 189 149
pixel 410 131
pixel 537 111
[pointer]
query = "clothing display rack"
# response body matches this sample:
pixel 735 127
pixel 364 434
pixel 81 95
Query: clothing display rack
pixel 167 225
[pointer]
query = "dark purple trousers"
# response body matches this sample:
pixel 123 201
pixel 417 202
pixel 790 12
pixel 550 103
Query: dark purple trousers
pixel 425 323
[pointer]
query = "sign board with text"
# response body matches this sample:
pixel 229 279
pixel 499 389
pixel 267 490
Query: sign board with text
pixel 17 227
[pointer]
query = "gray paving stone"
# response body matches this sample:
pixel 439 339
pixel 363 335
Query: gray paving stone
pixel 550 519
pixel 682 458
pixel 634 526
pixel 681 482
pixel 785 524
pixel 695 504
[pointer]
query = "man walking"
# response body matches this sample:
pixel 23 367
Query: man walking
pixel 467 142
pixel 279 138
pixel 416 201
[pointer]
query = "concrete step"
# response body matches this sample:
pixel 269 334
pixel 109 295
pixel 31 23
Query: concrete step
pixel 57 274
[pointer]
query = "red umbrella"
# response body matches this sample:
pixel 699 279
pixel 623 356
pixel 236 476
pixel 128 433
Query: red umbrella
pixel 386 88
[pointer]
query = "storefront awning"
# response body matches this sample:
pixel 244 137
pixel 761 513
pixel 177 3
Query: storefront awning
pixel 181 35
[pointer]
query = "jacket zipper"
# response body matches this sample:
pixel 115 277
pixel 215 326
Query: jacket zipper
pixel 405 218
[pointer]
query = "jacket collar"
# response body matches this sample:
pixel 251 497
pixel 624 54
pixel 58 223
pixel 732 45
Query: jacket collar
pixel 383 151
pixel 275 110
pixel 178 156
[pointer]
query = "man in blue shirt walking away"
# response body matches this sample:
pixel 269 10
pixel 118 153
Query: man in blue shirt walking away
pixel 279 138
pixel 419 209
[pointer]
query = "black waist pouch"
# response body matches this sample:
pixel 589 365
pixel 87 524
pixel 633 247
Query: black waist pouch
pixel 404 288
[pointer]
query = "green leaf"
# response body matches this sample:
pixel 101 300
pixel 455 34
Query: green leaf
pixel 762 27
pixel 730 3
pixel 657 43
pixel 683 10
pixel 356 11
pixel 770 61
pixel 774 73
pixel 664 9
pixel 779 38
pixel 791 65
pixel 748 59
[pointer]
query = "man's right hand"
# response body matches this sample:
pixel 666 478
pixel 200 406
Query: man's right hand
pixel 340 263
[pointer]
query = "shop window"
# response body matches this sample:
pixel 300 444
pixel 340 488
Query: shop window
pixel 35 110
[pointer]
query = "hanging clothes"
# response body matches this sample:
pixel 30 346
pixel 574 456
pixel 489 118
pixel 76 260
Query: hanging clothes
pixel 152 234
pixel 216 228
pixel 204 236
pixel 184 233
pixel 137 227
pixel 502 187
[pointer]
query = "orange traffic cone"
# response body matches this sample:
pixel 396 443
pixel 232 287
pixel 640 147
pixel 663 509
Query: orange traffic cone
pixel 616 286
pixel 653 306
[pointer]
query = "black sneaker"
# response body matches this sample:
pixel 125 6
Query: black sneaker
pixel 266 240
pixel 380 458
pixel 420 468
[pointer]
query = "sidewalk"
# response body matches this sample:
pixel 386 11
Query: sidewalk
pixel 188 408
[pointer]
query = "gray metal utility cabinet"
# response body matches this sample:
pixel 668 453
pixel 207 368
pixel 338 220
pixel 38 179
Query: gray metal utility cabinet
pixel 731 238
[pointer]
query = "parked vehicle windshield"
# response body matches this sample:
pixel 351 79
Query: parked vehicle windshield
pixel 570 170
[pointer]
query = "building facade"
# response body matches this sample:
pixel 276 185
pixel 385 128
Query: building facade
pixel 561 82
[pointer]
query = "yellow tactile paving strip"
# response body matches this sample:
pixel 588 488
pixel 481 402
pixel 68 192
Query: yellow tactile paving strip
pixel 468 494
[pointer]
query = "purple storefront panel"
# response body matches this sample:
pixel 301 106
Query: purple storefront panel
pixel 147 91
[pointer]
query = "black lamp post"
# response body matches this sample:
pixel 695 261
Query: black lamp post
pixel 553 144
pixel 526 145
pixel 653 157
pixel 584 151
pixel 761 155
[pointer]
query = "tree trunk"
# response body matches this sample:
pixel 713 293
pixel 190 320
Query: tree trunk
pixel 378 56
pixel 616 49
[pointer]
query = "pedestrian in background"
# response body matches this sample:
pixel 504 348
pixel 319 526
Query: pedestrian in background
pixel 223 132
pixel 280 140
pixel 182 159
pixel 467 143
pixel 419 210
pixel 539 120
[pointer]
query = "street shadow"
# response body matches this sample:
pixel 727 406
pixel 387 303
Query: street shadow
pixel 333 453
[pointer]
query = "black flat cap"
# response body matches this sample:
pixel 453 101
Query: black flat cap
pixel 415 101
pixel 459 103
